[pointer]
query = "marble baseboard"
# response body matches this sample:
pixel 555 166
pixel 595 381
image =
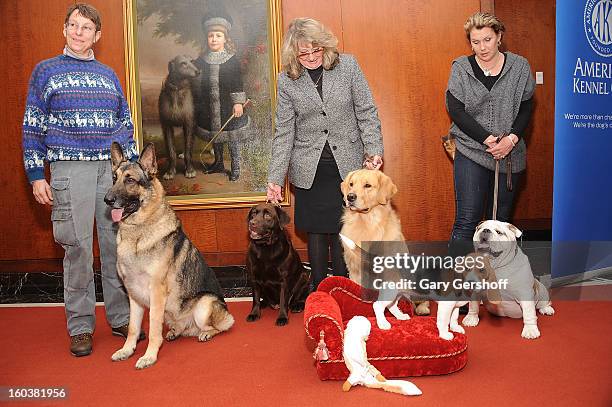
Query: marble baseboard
pixel 46 287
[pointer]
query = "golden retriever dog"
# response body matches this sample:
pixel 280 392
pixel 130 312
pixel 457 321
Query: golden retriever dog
pixel 369 217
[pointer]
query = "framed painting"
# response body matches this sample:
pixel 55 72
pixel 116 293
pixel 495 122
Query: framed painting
pixel 201 80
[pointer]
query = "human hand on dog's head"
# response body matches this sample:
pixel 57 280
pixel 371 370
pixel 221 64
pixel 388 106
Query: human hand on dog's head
pixel 372 162
pixel 274 193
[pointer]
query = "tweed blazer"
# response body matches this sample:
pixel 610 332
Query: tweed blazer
pixel 346 117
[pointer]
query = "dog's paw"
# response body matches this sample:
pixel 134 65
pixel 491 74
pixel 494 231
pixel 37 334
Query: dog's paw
pixel 122 354
pixel 549 310
pixel 205 336
pixel 169 175
pixel 282 321
pixel 397 313
pixel 470 320
pixel 447 336
pixel 457 328
pixel 190 173
pixel 403 317
pixel 145 362
pixel 171 335
pixel 253 317
pixel 422 309
pixel 530 332
pixel 383 324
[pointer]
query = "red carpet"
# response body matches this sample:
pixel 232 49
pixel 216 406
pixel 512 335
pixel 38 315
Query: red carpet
pixel 262 365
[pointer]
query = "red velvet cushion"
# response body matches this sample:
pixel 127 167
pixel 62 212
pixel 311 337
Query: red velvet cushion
pixel 409 348
pixel 353 299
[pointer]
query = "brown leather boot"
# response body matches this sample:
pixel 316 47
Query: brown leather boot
pixel 81 344
pixel 123 332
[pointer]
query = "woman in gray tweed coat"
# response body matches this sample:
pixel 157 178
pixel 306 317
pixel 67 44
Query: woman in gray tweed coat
pixel 326 120
pixel 489 93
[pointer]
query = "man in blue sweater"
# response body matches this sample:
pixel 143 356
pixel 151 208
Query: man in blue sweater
pixel 75 109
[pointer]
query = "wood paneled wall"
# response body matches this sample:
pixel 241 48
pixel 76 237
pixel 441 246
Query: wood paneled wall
pixel 530 32
pixel 31 31
pixel 404 47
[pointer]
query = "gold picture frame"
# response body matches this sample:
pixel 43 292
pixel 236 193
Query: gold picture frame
pixel 155 31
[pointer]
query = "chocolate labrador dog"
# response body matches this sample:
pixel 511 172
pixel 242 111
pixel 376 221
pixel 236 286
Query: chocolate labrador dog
pixel 278 278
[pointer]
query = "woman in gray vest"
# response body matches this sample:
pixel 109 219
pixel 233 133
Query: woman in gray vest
pixel 326 120
pixel 489 94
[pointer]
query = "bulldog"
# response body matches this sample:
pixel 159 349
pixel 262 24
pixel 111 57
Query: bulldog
pixel 523 293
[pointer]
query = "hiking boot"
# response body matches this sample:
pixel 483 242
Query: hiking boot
pixel 123 332
pixel 81 344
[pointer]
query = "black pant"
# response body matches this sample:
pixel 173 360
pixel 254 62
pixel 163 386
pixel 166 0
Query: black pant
pixel 320 245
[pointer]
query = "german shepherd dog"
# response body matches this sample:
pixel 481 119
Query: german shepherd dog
pixel 160 267
pixel 278 277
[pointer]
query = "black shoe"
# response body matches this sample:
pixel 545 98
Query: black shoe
pixel 81 344
pixel 123 332
pixel 215 168
pixel 217 165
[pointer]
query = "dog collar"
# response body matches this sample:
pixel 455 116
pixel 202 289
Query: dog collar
pixel 366 210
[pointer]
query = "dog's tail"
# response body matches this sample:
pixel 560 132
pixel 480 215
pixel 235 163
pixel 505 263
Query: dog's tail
pixel 395 386
pixel 401 387
pixel 221 319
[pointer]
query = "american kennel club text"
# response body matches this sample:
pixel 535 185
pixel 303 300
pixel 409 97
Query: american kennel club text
pixel 404 262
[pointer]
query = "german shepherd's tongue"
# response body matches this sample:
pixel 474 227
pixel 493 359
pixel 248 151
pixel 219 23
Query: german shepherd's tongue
pixel 116 214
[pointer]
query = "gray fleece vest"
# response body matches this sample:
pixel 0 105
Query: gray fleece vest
pixel 495 110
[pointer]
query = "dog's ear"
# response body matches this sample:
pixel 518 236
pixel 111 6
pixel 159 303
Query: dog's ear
pixel 344 186
pixel 147 160
pixel 117 156
pixel 515 230
pixel 386 188
pixel 250 215
pixel 283 217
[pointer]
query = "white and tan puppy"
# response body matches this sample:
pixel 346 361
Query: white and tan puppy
pixel 523 293
pixel 447 318
pixel 369 217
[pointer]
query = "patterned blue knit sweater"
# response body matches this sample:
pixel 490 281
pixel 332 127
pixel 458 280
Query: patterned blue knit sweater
pixel 74 111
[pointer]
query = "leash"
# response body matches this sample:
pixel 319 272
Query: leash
pixel 495 190
pixel 245 104
pixel 508 176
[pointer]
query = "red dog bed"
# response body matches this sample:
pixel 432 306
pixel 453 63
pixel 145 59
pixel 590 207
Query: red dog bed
pixel 409 348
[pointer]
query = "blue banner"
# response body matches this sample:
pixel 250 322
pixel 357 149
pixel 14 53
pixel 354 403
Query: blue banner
pixel 582 194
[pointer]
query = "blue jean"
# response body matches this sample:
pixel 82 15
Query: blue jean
pixel 78 198
pixel 474 185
